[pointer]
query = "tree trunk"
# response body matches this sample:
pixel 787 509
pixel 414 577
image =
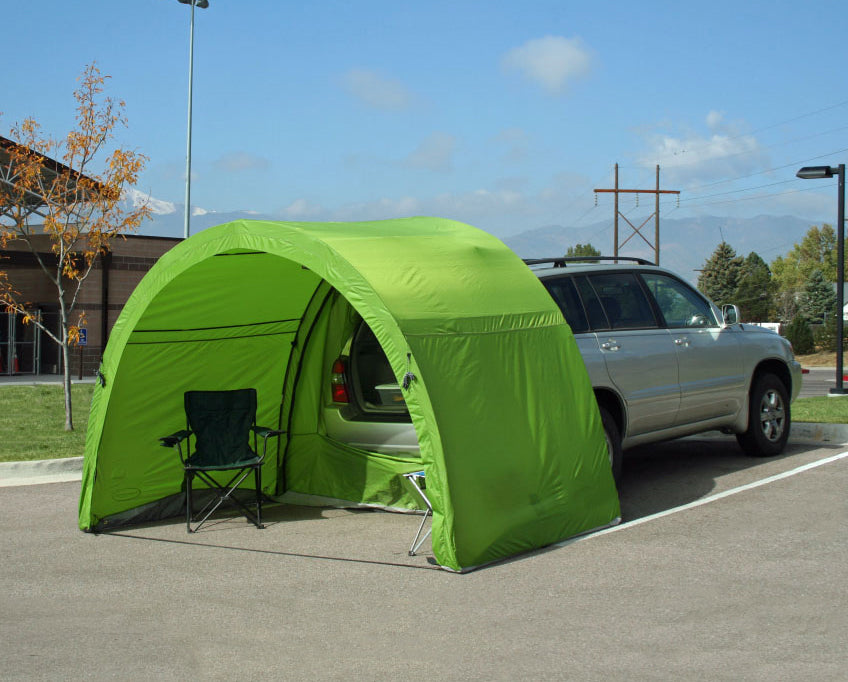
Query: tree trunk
pixel 66 363
pixel 66 383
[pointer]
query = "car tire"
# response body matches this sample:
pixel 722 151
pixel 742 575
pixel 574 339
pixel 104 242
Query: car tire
pixel 613 439
pixel 769 418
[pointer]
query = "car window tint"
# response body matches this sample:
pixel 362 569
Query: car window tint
pixel 563 292
pixel 624 301
pixel 591 303
pixel 681 306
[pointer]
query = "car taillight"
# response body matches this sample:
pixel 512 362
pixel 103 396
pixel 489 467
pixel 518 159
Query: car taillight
pixel 338 382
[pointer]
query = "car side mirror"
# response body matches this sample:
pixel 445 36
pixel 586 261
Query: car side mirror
pixel 730 314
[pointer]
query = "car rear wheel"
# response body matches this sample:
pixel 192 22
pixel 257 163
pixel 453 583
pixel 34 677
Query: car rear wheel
pixel 769 418
pixel 613 439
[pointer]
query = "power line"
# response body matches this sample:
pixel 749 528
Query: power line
pixel 759 196
pixel 736 191
pixel 798 118
pixel 759 130
pixel 768 170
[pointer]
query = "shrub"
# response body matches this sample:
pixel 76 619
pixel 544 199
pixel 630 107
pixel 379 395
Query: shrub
pixel 825 336
pixel 800 335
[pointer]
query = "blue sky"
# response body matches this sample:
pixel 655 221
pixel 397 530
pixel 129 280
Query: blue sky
pixel 503 115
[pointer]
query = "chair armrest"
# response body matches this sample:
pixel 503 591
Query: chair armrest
pixel 174 439
pixel 265 432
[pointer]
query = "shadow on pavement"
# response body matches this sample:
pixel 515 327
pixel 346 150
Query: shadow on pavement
pixel 355 535
pixel 663 476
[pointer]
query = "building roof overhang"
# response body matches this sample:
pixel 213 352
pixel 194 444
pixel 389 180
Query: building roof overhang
pixel 33 199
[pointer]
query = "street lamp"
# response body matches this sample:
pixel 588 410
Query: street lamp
pixel 817 173
pixel 202 4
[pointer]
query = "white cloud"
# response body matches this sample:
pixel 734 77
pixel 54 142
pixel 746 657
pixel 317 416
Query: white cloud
pixel 377 91
pixel 551 62
pixel 498 210
pixel 715 119
pixel 475 207
pixel 691 157
pixel 239 162
pixel 435 153
pixel 302 209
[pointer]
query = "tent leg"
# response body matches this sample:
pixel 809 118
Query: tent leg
pixel 257 472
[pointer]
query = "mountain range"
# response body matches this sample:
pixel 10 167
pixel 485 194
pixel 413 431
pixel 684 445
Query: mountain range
pixel 685 243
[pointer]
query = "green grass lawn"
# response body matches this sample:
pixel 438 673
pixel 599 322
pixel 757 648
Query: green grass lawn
pixel 823 410
pixel 32 422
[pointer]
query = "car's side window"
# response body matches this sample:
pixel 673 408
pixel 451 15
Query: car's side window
pixel 624 301
pixel 563 292
pixel 594 309
pixel 680 305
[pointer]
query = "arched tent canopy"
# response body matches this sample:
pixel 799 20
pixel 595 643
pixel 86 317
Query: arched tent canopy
pixel 509 432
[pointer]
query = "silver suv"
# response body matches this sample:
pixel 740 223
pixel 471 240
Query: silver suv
pixel 664 362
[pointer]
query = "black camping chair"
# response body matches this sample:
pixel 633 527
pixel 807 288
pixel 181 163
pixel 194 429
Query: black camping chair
pixel 221 422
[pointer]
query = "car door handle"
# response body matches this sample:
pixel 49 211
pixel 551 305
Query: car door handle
pixel 611 345
pixel 682 342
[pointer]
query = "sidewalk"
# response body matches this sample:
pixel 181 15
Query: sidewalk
pixel 40 379
pixel 40 471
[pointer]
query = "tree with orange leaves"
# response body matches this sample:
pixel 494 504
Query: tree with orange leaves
pixel 76 203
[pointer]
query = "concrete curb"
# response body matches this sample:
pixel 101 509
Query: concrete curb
pixel 70 469
pixel 40 471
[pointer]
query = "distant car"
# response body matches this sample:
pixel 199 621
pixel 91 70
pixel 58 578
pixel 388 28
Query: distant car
pixel 663 360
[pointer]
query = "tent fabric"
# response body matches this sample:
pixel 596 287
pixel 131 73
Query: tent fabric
pixel 510 436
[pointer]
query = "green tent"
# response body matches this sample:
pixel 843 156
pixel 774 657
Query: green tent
pixel 509 432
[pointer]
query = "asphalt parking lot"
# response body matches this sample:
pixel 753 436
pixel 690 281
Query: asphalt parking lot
pixel 726 567
pixel 818 381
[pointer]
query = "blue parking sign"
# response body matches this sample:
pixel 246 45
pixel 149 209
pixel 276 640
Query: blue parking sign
pixel 83 336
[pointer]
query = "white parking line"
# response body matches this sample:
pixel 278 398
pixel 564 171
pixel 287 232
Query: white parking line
pixel 728 493
pixel 707 500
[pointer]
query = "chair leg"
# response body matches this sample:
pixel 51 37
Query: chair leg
pixel 258 480
pixel 189 484
pixel 225 493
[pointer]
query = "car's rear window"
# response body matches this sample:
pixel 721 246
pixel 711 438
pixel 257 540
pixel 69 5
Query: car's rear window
pixel 374 381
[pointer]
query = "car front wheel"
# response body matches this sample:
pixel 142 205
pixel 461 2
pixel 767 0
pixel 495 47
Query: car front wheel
pixel 768 418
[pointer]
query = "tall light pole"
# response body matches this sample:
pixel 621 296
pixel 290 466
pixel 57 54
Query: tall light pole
pixel 202 4
pixel 817 173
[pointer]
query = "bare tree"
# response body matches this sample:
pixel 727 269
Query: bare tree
pixel 77 203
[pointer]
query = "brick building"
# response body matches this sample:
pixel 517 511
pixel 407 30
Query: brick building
pixel 24 349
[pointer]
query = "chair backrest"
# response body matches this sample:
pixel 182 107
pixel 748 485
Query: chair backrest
pixel 221 422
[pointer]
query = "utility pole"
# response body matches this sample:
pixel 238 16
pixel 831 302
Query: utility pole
pixel 637 230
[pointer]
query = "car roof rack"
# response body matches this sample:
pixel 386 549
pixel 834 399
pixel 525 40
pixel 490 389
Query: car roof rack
pixel 564 260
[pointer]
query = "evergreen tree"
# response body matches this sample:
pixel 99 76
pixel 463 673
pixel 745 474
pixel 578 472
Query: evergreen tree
pixel 755 292
pixel 720 275
pixel 825 335
pixel 819 298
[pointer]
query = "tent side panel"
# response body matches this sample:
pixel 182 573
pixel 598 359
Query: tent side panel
pixel 146 403
pixel 325 468
pixel 524 446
